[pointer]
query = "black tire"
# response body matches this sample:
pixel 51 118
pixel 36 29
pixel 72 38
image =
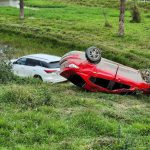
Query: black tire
pixel 93 55
pixel 38 77
pixel 146 75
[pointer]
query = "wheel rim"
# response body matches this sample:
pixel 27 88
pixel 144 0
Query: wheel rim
pixel 94 53
pixel 146 75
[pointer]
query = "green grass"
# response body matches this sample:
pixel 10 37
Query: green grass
pixel 36 115
pixel 54 3
pixel 93 3
pixel 43 118
pixel 77 27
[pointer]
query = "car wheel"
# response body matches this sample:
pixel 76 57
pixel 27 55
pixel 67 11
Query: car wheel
pixel 146 75
pixel 38 77
pixel 93 55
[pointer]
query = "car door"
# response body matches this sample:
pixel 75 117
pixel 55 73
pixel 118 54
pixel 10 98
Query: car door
pixel 33 67
pixel 126 78
pixel 107 69
pixel 127 74
pixel 19 66
pixel 105 74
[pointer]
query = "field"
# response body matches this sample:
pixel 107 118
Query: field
pixel 65 28
pixel 35 115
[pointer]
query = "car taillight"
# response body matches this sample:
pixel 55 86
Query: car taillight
pixel 50 71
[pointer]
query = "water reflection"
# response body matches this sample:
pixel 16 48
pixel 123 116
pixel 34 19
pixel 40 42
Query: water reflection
pixel 13 3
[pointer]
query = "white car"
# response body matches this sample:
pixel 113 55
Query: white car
pixel 42 66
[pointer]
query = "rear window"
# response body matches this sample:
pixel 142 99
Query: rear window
pixel 51 64
pixel 54 64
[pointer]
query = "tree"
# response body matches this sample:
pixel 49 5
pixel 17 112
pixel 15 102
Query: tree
pixel 121 17
pixel 21 9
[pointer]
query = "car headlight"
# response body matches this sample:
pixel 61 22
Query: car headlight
pixel 73 66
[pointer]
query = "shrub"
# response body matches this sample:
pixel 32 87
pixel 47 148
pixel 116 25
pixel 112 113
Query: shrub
pixel 136 17
pixel 5 67
pixel 26 97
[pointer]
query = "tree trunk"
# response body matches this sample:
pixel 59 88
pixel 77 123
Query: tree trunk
pixel 121 18
pixel 21 9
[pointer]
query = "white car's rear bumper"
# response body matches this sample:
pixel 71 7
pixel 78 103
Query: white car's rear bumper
pixel 54 78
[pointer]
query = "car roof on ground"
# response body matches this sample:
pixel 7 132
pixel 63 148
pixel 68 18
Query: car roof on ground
pixel 43 57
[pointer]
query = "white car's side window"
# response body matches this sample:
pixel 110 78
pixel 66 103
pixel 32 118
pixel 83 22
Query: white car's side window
pixel 32 62
pixel 44 64
pixel 21 61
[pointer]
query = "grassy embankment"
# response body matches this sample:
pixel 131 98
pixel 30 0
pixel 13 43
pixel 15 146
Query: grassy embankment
pixel 59 30
pixel 42 116
pixel 93 3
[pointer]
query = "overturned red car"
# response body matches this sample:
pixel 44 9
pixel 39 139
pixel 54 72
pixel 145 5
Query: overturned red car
pixel 94 73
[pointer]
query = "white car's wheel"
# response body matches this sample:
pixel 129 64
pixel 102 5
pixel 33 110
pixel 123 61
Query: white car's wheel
pixel 38 77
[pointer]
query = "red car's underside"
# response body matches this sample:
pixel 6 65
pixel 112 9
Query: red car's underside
pixel 106 76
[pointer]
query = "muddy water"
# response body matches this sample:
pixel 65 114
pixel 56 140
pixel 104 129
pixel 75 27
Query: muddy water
pixel 13 3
